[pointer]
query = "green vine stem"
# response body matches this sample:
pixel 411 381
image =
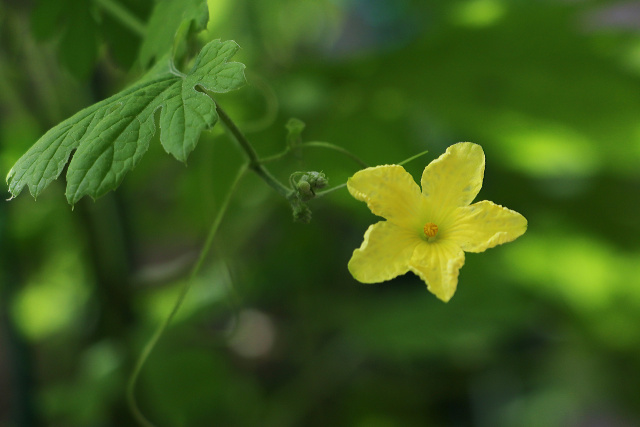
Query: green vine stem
pixel 337 148
pixel 412 158
pixel 330 190
pixel 133 379
pixel 254 161
pixel 338 187
pixel 271 104
pixel 321 144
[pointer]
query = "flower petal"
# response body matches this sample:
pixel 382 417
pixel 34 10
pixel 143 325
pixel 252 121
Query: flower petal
pixel 484 225
pixel 438 264
pixel 390 192
pixel 384 254
pixel 453 179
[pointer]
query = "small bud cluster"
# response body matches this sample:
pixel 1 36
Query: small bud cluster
pixel 304 189
pixel 309 183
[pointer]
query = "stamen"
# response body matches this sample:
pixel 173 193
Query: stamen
pixel 430 229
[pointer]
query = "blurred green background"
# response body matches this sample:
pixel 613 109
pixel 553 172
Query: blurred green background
pixel 544 331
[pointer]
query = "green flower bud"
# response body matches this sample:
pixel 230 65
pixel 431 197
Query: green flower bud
pixel 308 183
pixel 305 191
pixel 317 180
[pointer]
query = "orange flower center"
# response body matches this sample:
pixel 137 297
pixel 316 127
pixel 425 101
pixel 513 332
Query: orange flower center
pixel 430 229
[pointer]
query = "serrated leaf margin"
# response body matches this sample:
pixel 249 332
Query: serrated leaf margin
pixel 46 159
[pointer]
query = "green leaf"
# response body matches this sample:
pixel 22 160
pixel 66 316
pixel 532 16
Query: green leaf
pixel 121 39
pixel 78 49
pixel 168 16
pixel 75 22
pixel 110 137
pixel 46 18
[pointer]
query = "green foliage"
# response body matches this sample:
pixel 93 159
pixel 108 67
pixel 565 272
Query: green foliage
pixel 171 18
pixel 78 27
pixel 111 136
pixel 544 332
pixel 74 20
pixel 122 37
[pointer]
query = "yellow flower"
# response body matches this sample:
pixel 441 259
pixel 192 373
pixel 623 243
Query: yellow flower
pixel 428 231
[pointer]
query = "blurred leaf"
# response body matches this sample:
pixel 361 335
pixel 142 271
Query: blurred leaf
pixel 46 16
pixel 78 44
pixel 193 386
pixel 111 136
pixel 122 41
pixel 400 327
pixel 167 18
pixel 90 396
pixel 21 129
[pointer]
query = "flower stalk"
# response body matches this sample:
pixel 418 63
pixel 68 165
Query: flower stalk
pixel 254 161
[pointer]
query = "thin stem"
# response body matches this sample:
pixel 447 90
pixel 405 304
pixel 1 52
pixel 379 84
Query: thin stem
pixel 322 144
pixel 271 104
pixel 335 148
pixel 338 187
pixel 330 190
pixel 216 222
pixel 131 399
pixel 404 162
pixel 124 16
pixel 254 162
pixel 239 136
pixel 174 70
pixel 275 157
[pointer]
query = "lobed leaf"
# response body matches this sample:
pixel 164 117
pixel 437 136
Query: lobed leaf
pixel 110 137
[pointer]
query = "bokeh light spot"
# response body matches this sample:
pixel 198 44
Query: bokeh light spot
pixel 53 300
pixel 254 335
pixel 478 13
